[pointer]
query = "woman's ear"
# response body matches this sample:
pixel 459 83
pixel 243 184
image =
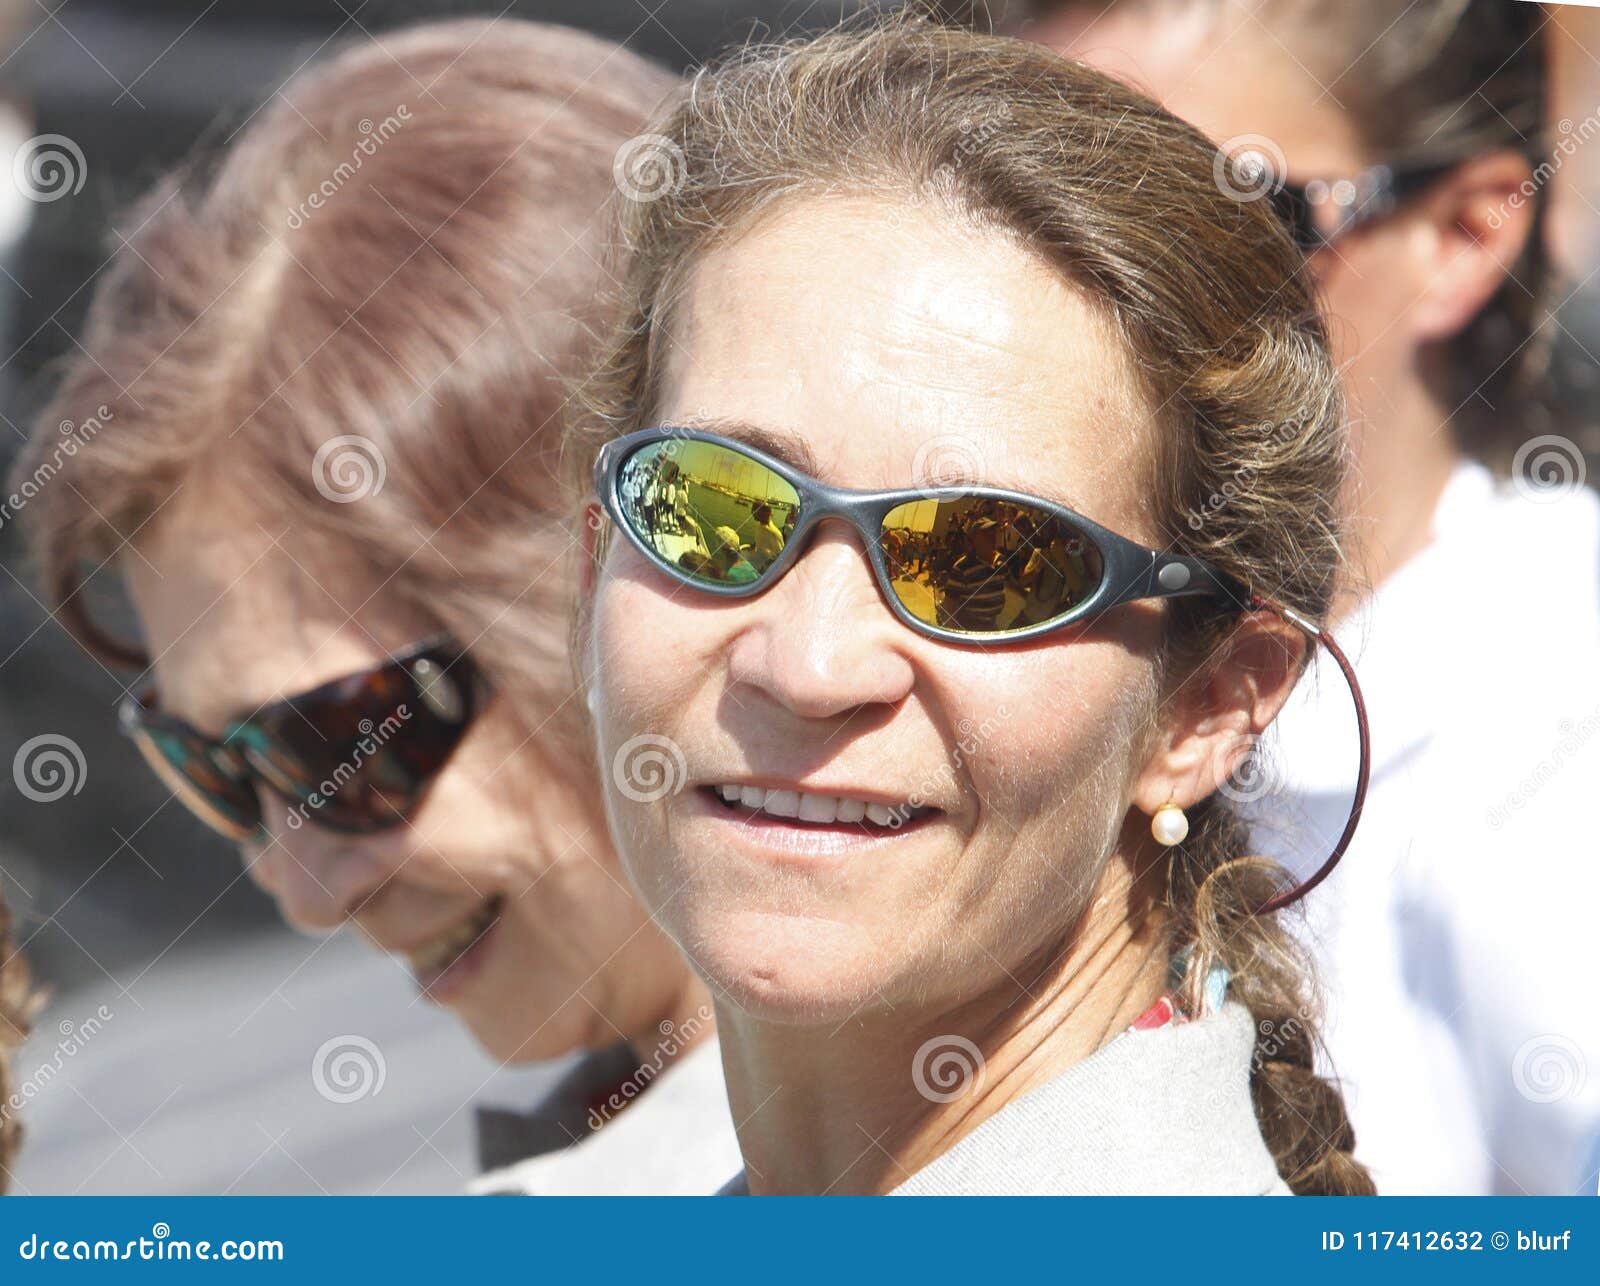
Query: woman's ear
pixel 1210 723
pixel 1474 223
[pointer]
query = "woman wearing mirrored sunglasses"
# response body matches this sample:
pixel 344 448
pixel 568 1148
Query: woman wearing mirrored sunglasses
pixel 953 845
pixel 326 432
pixel 1418 127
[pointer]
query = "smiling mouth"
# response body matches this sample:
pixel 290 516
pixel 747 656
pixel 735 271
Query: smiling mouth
pixel 434 961
pixel 824 812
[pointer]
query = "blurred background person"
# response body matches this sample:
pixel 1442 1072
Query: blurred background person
pixel 314 412
pixel 1403 139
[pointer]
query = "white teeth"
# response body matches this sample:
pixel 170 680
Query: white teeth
pixel 814 808
pixel 818 808
pixel 782 803
pixel 445 948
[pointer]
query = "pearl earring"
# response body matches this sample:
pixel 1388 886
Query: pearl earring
pixel 1169 825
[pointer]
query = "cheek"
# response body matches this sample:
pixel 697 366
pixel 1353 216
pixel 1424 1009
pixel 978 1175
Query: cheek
pixel 650 660
pixel 475 820
pixel 1049 756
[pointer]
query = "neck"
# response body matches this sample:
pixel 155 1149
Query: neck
pixel 839 1110
pixel 1404 454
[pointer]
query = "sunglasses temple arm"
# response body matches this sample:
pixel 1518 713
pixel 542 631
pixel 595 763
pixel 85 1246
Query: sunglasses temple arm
pixel 1319 635
pixel 1178 576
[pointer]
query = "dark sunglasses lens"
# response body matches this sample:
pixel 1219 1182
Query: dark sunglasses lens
pixel 977 565
pixel 1294 208
pixel 360 755
pixel 219 794
pixel 714 513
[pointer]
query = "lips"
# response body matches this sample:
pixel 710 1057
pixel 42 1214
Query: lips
pixel 444 961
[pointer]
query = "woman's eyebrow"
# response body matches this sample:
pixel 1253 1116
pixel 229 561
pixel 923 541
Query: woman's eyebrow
pixel 787 446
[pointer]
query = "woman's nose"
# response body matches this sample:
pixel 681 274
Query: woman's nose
pixel 318 878
pixel 822 641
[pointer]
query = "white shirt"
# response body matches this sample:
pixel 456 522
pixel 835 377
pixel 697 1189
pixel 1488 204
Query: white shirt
pixel 676 1139
pixel 1456 938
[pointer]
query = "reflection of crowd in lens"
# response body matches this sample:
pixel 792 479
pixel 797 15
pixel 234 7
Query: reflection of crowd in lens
pixel 686 530
pixel 993 564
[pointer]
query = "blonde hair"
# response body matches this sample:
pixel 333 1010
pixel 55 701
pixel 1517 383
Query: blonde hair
pixel 1122 199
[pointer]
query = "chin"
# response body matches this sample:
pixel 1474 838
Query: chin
pixel 793 969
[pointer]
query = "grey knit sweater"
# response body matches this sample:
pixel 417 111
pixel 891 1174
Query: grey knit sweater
pixel 1163 1112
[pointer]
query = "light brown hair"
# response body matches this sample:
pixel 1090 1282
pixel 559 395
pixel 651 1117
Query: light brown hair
pixel 406 248
pixel 1120 198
